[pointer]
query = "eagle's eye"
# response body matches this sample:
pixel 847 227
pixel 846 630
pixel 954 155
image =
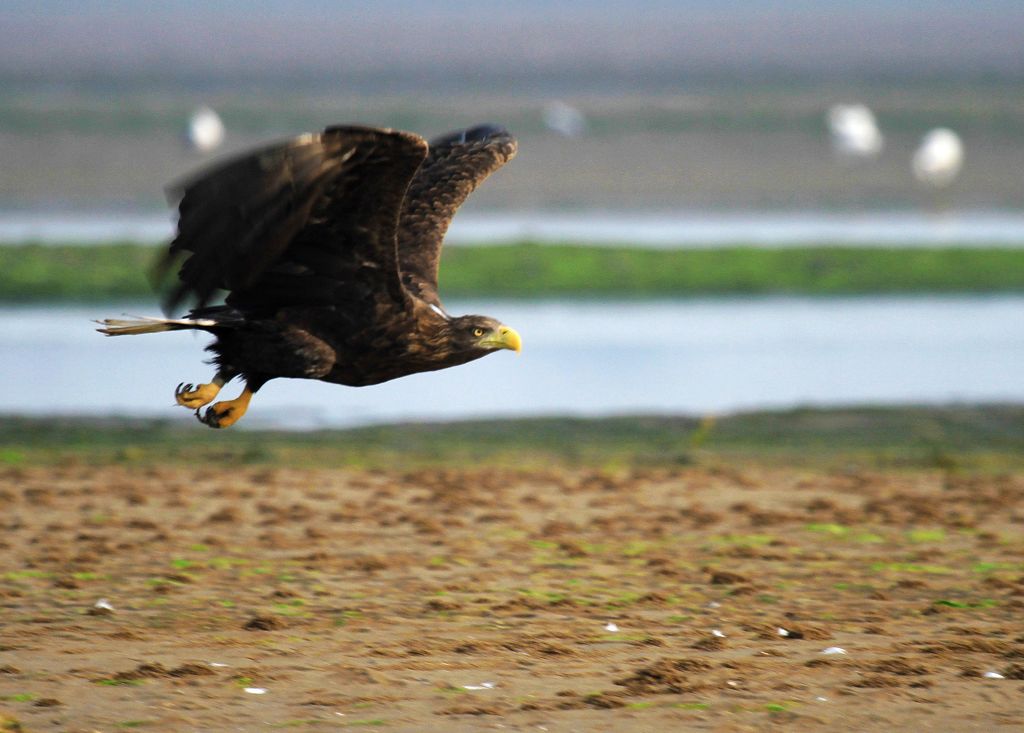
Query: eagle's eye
pixel 478 332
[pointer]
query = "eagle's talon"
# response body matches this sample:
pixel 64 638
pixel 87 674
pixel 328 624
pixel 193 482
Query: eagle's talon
pixel 227 413
pixel 193 397
pixel 211 417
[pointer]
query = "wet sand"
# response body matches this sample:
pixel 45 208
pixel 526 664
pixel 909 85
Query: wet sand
pixel 165 598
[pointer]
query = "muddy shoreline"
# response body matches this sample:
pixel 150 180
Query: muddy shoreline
pixel 165 597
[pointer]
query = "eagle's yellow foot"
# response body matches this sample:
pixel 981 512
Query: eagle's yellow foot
pixel 195 397
pixel 227 413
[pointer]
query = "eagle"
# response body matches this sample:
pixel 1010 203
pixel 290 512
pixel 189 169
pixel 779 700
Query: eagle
pixel 325 249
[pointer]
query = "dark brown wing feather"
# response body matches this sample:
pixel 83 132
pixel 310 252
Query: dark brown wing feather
pixel 456 165
pixel 296 223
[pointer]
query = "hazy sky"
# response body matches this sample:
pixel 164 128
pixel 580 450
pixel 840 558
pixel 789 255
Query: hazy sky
pixel 403 38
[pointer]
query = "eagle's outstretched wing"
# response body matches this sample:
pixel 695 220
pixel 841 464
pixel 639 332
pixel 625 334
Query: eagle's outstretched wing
pixel 309 221
pixel 456 165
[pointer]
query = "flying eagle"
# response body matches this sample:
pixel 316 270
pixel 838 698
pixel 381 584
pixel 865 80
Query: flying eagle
pixel 327 247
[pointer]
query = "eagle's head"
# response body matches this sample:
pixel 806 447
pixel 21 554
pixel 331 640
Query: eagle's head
pixel 464 338
pixel 479 335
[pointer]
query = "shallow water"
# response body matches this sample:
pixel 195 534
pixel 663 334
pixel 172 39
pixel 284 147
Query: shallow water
pixel 647 229
pixel 690 356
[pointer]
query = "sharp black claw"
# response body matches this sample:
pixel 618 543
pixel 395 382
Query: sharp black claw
pixel 209 418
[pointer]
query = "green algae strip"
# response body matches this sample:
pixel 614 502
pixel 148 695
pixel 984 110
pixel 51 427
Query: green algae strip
pixel 119 271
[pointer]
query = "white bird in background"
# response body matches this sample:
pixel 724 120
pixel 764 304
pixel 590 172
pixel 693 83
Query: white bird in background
pixel 939 158
pixel 854 131
pixel 564 119
pixel 205 130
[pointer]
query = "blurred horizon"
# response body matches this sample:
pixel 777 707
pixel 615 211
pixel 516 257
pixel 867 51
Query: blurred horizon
pixel 400 45
pixel 682 106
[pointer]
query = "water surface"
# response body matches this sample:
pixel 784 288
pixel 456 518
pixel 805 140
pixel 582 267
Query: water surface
pixel 692 356
pixel 632 228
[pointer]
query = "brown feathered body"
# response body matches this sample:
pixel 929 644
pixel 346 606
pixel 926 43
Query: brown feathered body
pixel 327 247
pixel 345 346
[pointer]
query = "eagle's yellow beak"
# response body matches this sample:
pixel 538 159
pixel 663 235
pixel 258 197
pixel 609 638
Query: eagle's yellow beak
pixel 504 338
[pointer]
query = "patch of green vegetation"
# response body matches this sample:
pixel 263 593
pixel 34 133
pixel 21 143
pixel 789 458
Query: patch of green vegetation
pixel 640 705
pixel 368 722
pixel 926 535
pixel 452 690
pixel 530 270
pixel 627 598
pixel 691 705
pixel 88 576
pixel 702 434
pixel 636 548
pixel 19 697
pixel 548 596
pixel 226 563
pixel 992 567
pixel 983 603
pixel 134 723
pixel 35 272
pixel 836 530
pixel 112 682
pixel 26 574
pixel 778 707
pixel 11 457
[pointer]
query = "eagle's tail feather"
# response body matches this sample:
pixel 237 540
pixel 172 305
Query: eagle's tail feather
pixel 143 324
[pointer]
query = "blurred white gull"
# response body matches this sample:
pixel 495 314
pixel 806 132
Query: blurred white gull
pixel 205 130
pixel 939 158
pixel 854 131
pixel 564 119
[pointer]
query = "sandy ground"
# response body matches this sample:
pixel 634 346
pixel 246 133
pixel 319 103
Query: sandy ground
pixel 466 600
